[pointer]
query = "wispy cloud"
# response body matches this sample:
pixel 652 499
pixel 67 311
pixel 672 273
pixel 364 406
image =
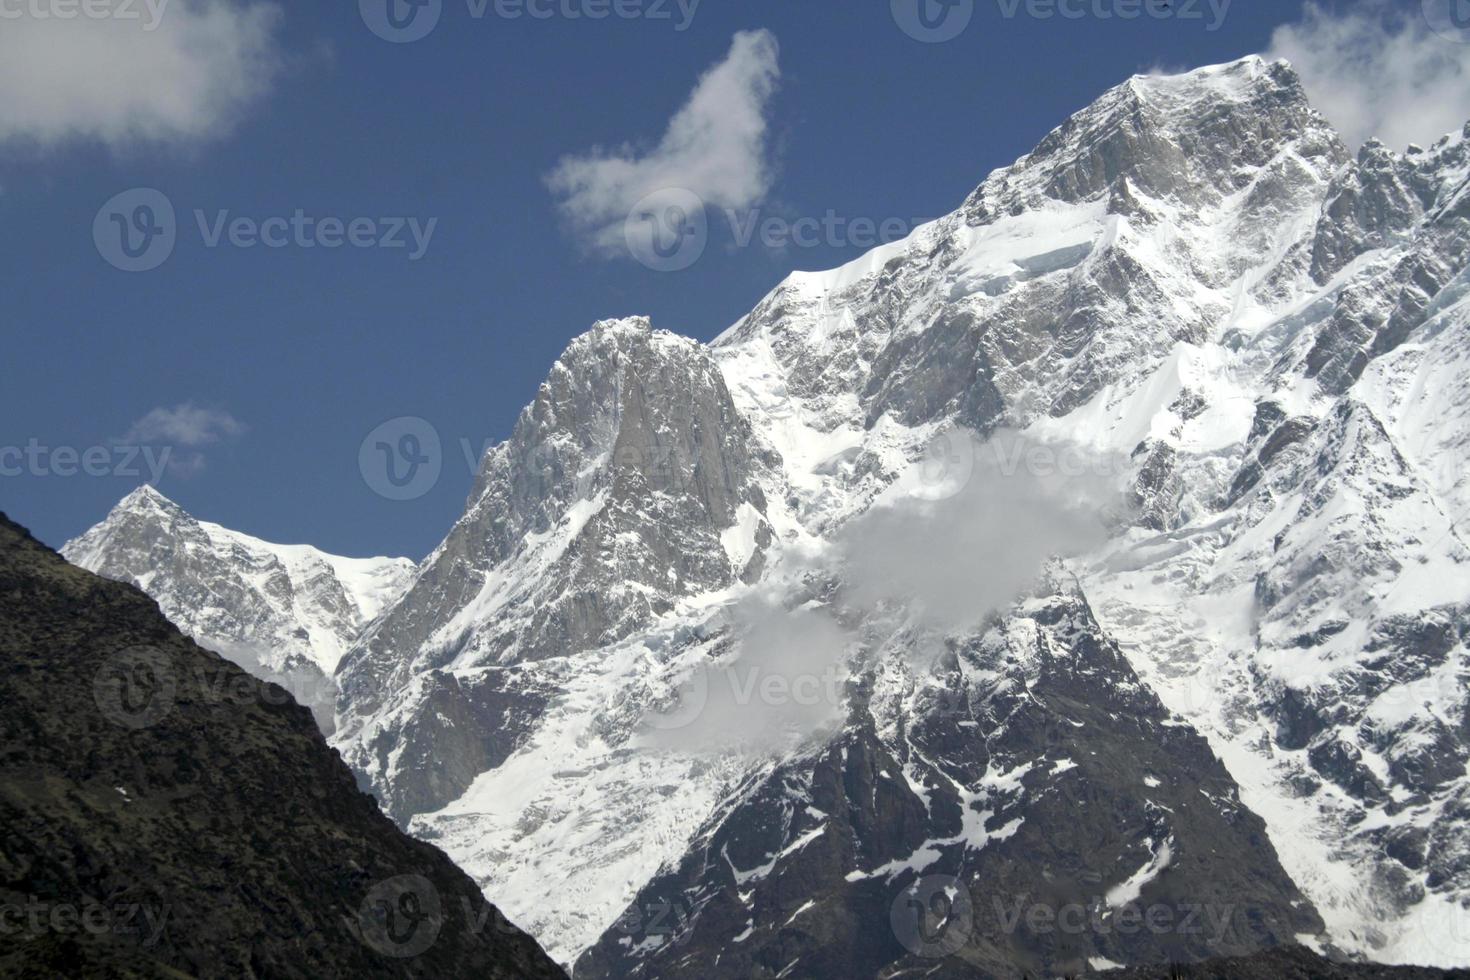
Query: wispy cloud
pixel 960 535
pixel 175 71
pixel 716 147
pixel 1010 503
pixel 184 430
pixel 1375 69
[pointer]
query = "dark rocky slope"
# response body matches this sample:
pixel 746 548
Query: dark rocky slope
pixel 1294 963
pixel 166 814
pixel 1038 815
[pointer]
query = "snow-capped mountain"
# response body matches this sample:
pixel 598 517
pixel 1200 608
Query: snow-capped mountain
pixel 285 612
pixel 630 483
pixel 1098 547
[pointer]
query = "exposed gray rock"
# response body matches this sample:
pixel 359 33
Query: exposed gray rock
pixel 1038 781
pixel 286 613
pixel 609 502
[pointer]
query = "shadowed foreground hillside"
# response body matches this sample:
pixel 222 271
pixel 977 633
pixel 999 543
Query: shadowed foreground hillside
pixel 166 814
pixel 1294 963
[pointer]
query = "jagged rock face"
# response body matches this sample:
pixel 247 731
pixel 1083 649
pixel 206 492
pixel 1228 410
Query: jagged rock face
pixel 1029 777
pixel 1312 621
pixel 1295 963
pixel 1193 139
pixel 166 814
pixel 287 613
pixel 1193 277
pixel 1407 221
pixel 629 483
pixel 1131 229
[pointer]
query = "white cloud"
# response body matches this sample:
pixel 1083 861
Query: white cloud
pixel 149 71
pixel 184 425
pixel 715 147
pixel 782 679
pixel 183 431
pixel 1374 69
pixel 1007 505
pixel 962 534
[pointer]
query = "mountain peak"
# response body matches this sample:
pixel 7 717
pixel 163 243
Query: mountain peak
pixel 1192 138
pixel 1239 77
pixel 294 608
pixel 145 498
pixel 624 324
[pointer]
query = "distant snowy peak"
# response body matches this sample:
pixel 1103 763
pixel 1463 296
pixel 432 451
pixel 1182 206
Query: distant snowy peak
pixel 270 604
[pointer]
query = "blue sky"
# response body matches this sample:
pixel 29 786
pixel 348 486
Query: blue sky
pixel 263 369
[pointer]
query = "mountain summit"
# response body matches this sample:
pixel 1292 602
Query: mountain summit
pixel 284 612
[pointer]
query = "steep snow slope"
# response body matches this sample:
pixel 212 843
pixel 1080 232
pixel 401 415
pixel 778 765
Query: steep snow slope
pixel 612 502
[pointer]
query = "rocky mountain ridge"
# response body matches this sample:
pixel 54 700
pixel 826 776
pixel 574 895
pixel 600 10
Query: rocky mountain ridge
pixel 169 815
pixel 284 612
